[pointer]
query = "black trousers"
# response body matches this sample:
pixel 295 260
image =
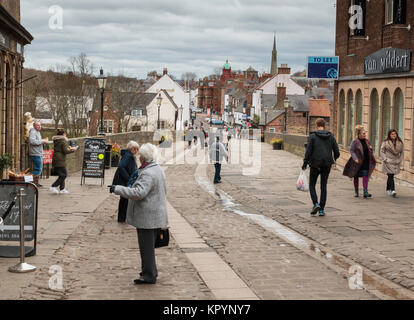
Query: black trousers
pixel 390 182
pixel 60 182
pixel 146 242
pixel 217 176
pixel 122 209
pixel 313 178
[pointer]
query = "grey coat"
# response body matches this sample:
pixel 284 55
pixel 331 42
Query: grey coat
pixel 392 157
pixel 147 205
pixel 35 143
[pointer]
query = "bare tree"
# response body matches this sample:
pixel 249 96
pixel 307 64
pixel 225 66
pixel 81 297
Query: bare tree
pixel 124 98
pixel 189 78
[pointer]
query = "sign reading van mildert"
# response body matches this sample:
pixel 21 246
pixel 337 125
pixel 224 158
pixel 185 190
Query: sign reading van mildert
pixel 323 67
pixel 389 60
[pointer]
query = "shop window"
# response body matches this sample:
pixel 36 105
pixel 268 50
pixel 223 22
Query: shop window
pixel 359 108
pixel 350 124
pixel 399 112
pixel 341 131
pixel 374 127
pixel 386 113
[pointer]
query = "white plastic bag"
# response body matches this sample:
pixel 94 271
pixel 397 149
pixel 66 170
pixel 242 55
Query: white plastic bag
pixel 302 183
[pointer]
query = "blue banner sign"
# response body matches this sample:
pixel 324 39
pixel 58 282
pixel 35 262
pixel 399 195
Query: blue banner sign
pixel 323 67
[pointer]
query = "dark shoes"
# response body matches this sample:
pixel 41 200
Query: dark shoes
pixel 321 213
pixel 315 209
pixel 142 281
pixel 367 194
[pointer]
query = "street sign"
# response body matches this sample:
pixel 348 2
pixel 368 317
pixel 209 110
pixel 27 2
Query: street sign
pixel 94 160
pixel 323 68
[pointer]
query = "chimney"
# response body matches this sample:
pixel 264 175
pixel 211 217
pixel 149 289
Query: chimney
pixel 165 71
pixel 284 69
pixel 281 94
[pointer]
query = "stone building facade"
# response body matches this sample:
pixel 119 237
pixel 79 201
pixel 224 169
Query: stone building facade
pixel 376 79
pixel 13 38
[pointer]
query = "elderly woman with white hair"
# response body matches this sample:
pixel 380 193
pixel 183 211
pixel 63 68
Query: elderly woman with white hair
pixel 126 168
pixel 147 209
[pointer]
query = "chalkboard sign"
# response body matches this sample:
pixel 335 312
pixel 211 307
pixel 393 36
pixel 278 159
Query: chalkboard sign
pixel 10 231
pixel 94 159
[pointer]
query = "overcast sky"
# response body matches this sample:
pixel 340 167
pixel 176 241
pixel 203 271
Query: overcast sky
pixel 136 36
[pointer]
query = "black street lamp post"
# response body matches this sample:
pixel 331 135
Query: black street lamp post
pixel 266 111
pixel 101 85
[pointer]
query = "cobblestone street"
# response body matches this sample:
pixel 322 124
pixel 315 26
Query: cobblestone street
pixel 249 238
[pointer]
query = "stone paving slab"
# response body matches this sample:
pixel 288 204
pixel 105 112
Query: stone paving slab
pixel 271 268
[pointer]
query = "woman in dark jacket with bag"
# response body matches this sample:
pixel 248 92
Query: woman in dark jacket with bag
pixel 127 166
pixel 362 162
pixel 61 149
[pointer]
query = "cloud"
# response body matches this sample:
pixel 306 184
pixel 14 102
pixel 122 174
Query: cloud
pixel 137 36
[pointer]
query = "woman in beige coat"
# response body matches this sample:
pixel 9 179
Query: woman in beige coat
pixel 392 155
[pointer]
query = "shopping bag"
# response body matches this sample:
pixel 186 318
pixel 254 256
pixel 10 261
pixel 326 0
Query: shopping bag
pixel 302 183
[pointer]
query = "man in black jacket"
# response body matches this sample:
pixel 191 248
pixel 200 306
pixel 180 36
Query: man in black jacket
pixel 321 146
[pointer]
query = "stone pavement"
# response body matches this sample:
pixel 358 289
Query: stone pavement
pixel 215 252
pixel 376 233
pixel 58 218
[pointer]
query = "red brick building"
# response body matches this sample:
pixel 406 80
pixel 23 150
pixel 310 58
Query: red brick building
pixel 376 78
pixel 111 119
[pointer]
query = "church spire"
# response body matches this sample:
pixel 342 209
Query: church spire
pixel 273 69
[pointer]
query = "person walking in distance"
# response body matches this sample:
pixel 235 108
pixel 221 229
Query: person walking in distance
pixel 321 153
pixel 392 155
pixel 362 162
pixel 36 150
pixel 217 155
pixel 62 148
pixel 126 168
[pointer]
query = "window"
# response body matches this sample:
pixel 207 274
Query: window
pixel 136 113
pixel 350 123
pixel 386 113
pixel 400 11
pixel 341 122
pixel 374 119
pixel 109 126
pixel 395 11
pixel 272 130
pixel 358 103
pixel 399 112
pixel 389 8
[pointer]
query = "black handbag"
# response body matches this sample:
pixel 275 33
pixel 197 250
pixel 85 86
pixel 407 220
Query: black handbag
pixel 163 238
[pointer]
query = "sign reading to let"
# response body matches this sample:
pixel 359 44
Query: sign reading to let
pixel 389 60
pixel 323 67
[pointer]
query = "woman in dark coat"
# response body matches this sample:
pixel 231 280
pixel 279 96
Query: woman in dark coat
pixel 362 162
pixel 61 149
pixel 127 166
